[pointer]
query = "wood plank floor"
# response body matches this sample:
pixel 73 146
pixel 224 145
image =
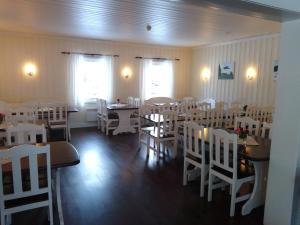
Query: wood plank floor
pixel 116 184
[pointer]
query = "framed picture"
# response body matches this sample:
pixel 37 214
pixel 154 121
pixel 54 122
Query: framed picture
pixel 275 69
pixel 226 71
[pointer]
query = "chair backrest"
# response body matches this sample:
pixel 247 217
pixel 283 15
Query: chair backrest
pixel 216 118
pixel 14 156
pixel 251 112
pixel 130 100
pixel 266 126
pixel 104 111
pixel 194 143
pixel 265 114
pixel 204 106
pixel 158 100
pixel 223 150
pixel 147 110
pixel 247 123
pixel 187 99
pixel 20 114
pixel 24 133
pixel 181 108
pixel 137 102
pixel 195 115
pixel 168 123
pixel 58 112
pixel 231 114
pixel 98 104
pixel 166 107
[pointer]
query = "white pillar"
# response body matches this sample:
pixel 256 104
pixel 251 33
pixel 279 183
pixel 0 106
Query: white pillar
pixel 283 191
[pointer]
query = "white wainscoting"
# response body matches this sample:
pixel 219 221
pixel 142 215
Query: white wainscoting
pixel 258 52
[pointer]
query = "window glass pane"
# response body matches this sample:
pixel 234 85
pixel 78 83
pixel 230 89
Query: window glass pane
pixel 159 80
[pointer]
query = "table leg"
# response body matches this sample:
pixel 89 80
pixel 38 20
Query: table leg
pixel 258 195
pixel 58 196
pixel 124 122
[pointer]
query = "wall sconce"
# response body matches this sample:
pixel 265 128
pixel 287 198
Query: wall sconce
pixel 205 73
pixel 251 73
pixel 126 72
pixel 30 69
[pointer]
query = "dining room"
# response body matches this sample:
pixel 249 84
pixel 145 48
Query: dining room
pixel 163 112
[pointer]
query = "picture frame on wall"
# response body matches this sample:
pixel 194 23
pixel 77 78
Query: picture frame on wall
pixel 226 71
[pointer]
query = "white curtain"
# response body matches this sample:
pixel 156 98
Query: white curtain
pixel 156 78
pixel 90 77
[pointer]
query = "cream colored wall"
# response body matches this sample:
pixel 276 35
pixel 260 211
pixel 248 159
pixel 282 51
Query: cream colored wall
pixel 51 82
pixel 259 52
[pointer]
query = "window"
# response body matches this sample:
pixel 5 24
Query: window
pixel 92 79
pixel 157 78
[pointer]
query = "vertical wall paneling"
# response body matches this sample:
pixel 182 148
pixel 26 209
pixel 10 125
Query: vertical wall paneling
pixel 258 52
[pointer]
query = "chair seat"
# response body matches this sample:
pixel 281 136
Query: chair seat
pixel 243 171
pixel 58 123
pixel 153 131
pixel 198 160
pixel 25 201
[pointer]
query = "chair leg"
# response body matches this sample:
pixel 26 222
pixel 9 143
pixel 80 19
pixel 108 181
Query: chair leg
pixel 51 214
pixel 148 145
pixel 185 165
pixel 2 219
pixel 175 148
pixel 106 129
pixel 8 219
pixel 158 150
pixel 202 182
pixel 210 183
pixel 233 199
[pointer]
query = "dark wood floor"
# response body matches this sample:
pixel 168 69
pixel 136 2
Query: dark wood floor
pixel 115 184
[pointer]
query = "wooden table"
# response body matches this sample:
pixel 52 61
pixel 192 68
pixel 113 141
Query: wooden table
pixel 62 154
pixel 259 156
pixel 124 112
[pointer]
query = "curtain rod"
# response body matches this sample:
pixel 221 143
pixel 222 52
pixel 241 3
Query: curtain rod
pixel 89 54
pixel 140 57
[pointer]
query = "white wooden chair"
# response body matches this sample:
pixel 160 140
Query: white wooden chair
pixel 231 114
pixel 20 114
pixel 24 133
pixel 265 114
pixel 109 121
pixel 224 164
pixel 130 100
pixel 58 117
pixel 137 102
pixel 251 112
pixel 247 123
pixel 266 126
pixel 166 107
pixel 14 156
pixel 164 131
pixel 194 153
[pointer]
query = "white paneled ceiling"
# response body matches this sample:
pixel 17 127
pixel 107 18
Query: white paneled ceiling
pixel 173 22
